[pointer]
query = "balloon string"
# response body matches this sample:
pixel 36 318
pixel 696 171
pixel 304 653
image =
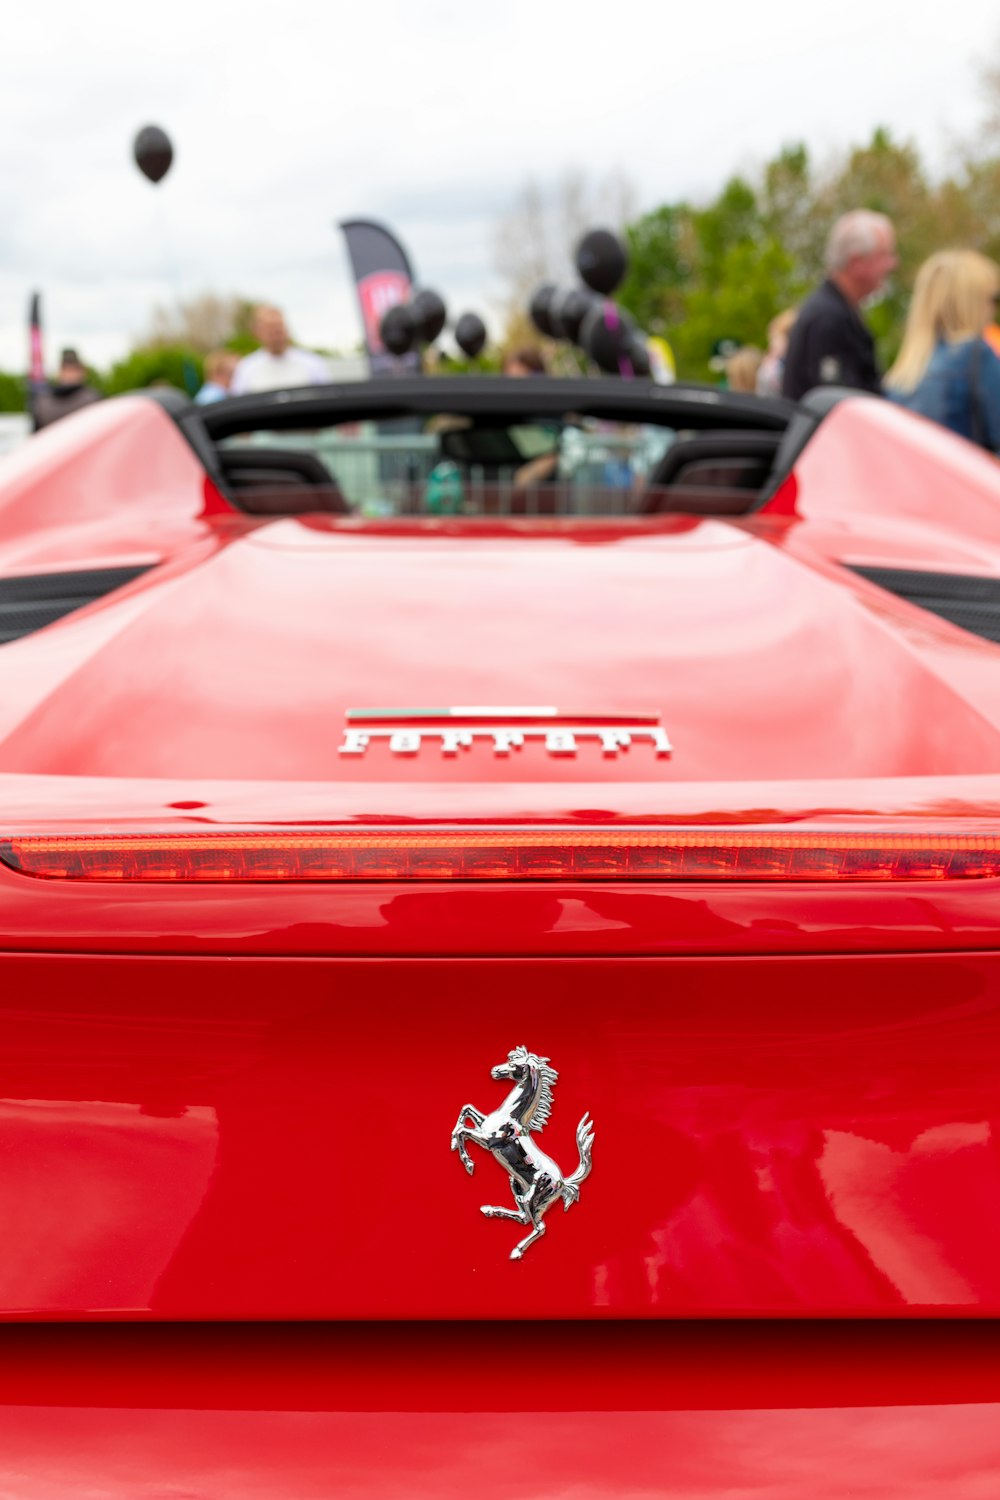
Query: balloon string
pixel 169 258
pixel 612 323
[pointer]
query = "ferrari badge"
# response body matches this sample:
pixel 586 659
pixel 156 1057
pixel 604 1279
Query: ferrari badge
pixel 535 1179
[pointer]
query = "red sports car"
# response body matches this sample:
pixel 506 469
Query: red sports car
pixel 494 875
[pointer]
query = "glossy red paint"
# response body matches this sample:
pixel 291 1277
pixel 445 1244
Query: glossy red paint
pixel 436 919
pixel 265 640
pixel 264 633
pixel 118 484
pixel 226 1103
pixel 877 485
pixel 238 1138
pixel 610 1412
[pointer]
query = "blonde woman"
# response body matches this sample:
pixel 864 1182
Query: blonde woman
pixel 945 369
pixel 742 367
pixel 772 366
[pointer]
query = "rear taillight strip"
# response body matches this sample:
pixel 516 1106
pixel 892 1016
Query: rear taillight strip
pixel 651 854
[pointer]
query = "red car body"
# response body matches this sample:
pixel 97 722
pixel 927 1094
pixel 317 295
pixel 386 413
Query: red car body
pixel 230 1099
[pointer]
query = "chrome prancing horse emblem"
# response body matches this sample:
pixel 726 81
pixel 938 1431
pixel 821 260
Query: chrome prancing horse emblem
pixel 534 1177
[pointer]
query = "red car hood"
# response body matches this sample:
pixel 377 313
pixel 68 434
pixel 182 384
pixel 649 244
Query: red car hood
pixel 241 666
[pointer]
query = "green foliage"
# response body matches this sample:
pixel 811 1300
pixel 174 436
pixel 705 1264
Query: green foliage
pixel 242 339
pixel 163 365
pixel 788 211
pixel 977 194
pixel 13 392
pixel 699 275
pixel 659 270
pixel 751 282
pixel 724 269
pixel 733 219
pixel 487 363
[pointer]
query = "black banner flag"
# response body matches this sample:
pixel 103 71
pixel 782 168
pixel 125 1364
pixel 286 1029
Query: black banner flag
pixel 384 278
pixel 36 360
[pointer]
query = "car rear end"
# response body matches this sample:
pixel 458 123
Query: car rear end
pixel 241 1104
pixel 729 871
pixel 230 1123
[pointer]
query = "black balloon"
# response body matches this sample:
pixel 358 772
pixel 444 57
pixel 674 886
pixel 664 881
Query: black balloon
pixel 606 336
pixel 153 152
pixel 470 334
pixel 637 354
pixel 397 330
pixel 540 309
pixel 601 261
pixel 568 310
pixel 429 314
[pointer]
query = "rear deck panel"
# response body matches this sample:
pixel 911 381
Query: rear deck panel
pixel 267 1138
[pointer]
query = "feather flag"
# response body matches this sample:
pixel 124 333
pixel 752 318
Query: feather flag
pixel 36 357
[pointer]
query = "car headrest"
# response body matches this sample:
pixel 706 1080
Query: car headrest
pixel 252 473
pixel 739 460
pixel 751 443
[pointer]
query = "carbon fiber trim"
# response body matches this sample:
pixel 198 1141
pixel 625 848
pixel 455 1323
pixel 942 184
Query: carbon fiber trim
pixel 31 602
pixel 964 599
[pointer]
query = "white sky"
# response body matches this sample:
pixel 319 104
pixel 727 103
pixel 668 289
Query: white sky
pixel 428 114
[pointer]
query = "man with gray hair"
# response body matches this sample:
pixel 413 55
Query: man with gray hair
pixel 830 344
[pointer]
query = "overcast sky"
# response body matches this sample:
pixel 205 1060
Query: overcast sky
pixel 427 114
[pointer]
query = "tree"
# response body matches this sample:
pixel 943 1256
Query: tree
pixel 980 197
pixel 990 89
pixel 752 281
pixel 725 268
pixel 13 392
pixel 698 275
pixel 889 178
pixel 204 323
pixel 788 211
pixel 164 364
pixel 733 219
pixel 661 246
pixel 536 238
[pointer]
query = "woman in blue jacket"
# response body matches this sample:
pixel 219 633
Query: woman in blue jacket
pixel 945 369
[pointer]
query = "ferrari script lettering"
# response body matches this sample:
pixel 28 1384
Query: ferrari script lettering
pixel 561 741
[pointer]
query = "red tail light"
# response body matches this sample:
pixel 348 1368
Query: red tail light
pixel 651 854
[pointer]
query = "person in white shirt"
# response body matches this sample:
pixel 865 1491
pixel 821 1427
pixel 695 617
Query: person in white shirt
pixel 278 363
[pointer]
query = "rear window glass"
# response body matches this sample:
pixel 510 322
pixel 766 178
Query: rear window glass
pixel 451 465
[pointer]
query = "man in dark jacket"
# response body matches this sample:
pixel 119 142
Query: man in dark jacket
pixel 830 344
pixel 68 392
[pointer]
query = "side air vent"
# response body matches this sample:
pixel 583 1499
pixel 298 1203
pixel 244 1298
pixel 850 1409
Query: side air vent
pixel 29 602
pixel 973 603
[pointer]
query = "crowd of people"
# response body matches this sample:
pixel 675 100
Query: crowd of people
pixel 948 365
pixel 947 368
pixel 276 365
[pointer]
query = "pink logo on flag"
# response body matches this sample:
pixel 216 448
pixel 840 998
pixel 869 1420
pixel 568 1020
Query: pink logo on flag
pixel 378 292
